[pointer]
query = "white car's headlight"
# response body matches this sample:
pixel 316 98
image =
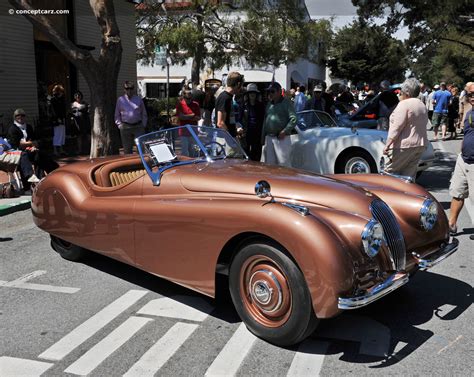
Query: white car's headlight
pixel 372 238
pixel 428 214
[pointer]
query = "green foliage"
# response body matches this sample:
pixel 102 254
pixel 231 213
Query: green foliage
pixel 219 36
pixel 363 53
pixel 441 41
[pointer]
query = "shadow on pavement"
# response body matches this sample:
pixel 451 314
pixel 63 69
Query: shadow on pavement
pixel 402 313
pixel 438 176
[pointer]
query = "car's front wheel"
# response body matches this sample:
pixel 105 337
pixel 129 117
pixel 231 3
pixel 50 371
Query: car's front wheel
pixel 270 294
pixel 357 162
pixel 67 250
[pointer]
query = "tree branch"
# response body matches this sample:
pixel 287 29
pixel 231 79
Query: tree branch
pixel 459 42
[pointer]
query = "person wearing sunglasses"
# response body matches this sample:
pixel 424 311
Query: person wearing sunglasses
pixel 130 117
pixel 462 181
pixel 279 122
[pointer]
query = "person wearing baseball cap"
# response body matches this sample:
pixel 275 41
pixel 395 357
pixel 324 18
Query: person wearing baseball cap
pixel 280 120
pixel 317 102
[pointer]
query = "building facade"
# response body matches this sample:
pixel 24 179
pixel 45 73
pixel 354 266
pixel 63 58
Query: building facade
pixel 30 64
pixel 152 78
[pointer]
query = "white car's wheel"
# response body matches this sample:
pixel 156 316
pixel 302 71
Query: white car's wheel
pixel 356 162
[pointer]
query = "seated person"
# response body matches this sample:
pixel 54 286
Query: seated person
pixel 21 136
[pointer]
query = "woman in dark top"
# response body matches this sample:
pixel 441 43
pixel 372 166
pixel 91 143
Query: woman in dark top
pixel 453 112
pixel 81 125
pixel 252 115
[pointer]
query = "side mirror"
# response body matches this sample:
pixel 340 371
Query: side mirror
pixel 263 189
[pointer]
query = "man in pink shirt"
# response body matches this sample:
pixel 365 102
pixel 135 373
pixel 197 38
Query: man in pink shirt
pixel 407 138
pixel 130 117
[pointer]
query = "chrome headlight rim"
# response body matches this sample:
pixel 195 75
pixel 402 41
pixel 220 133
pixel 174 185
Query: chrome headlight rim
pixel 428 214
pixel 372 238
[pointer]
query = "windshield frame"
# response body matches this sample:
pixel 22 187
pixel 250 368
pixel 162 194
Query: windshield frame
pixel 156 170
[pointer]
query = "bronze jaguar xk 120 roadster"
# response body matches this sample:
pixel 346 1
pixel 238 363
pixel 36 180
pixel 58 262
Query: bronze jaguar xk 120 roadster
pixel 294 247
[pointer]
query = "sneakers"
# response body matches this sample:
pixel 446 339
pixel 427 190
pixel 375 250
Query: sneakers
pixel 33 179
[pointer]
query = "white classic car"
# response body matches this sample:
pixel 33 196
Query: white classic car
pixel 321 146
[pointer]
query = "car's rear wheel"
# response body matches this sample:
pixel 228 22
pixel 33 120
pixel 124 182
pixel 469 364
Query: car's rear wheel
pixel 270 294
pixel 67 250
pixel 356 162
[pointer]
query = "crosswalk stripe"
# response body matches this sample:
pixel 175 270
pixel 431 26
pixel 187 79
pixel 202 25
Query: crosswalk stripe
pixel 85 330
pixel 15 367
pixel 234 352
pixel 308 360
pixel 161 351
pixel 97 354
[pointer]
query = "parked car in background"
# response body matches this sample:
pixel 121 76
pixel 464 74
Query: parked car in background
pixel 322 146
pixel 291 247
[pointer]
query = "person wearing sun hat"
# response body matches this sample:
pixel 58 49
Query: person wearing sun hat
pixel 252 115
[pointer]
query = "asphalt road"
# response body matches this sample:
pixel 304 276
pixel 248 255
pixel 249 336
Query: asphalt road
pixel 103 318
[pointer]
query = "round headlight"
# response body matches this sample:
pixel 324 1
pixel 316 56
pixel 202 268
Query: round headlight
pixel 428 214
pixel 372 238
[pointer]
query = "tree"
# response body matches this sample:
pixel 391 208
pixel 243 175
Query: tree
pixel 441 41
pixel 363 53
pixel 100 73
pixel 215 35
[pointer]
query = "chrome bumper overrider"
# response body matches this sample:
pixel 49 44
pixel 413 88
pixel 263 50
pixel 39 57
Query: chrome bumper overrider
pixel 397 279
pixel 393 282
pixel 438 256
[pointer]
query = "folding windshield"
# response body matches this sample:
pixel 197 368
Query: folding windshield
pixel 309 119
pixel 163 149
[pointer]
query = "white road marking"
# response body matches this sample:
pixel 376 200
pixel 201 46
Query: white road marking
pixel 374 337
pixel 161 351
pixel 84 331
pixel 15 367
pixel 228 361
pixel 309 358
pixel 107 346
pixel 182 307
pixel 22 283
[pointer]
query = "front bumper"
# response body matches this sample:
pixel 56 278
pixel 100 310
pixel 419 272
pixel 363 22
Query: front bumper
pixel 438 256
pixel 396 280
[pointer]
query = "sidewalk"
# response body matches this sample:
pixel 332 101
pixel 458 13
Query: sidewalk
pixel 8 206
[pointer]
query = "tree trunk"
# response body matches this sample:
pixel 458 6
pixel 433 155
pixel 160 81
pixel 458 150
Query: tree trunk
pixel 199 52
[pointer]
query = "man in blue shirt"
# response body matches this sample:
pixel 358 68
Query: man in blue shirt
pixel 462 181
pixel 440 114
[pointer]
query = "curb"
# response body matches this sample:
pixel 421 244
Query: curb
pixel 6 209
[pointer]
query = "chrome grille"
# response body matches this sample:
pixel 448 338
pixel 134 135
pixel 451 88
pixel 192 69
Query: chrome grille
pixel 393 234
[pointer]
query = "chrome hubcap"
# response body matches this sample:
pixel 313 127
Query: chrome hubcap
pixel 357 165
pixel 265 291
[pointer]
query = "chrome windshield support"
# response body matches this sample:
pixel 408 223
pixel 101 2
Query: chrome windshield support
pixel 438 256
pixel 393 282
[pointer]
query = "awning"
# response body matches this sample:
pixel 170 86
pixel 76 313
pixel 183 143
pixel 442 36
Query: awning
pixel 162 80
pixel 257 76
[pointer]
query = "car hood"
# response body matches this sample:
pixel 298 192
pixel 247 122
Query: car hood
pixel 240 177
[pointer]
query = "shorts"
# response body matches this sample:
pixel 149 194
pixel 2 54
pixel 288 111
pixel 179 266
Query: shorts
pixel 439 119
pixel 462 180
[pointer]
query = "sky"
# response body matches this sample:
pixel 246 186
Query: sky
pixel 344 13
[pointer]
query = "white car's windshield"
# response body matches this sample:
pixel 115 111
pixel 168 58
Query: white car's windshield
pixel 185 145
pixel 308 119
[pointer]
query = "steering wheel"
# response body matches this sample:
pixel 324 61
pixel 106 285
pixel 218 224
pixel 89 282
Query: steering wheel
pixel 219 151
